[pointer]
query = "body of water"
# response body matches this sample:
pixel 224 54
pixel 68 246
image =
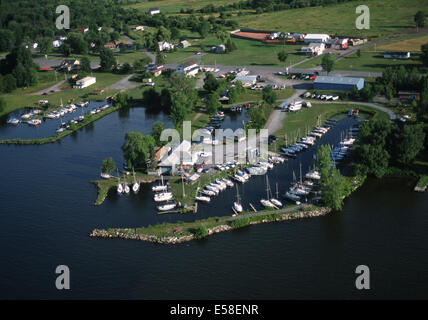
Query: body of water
pixel 47 213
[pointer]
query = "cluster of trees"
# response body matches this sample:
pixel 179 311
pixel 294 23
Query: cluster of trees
pixel 17 70
pixel 381 145
pixel 334 187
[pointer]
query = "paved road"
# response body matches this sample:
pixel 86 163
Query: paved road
pixel 123 84
pixel 47 90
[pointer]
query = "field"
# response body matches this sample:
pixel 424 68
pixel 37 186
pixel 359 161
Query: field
pixel 386 18
pixel 374 61
pixel 21 98
pixel 174 6
pixel 313 62
pixel 255 53
pixel 413 44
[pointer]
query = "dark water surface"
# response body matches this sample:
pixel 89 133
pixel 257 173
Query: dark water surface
pixel 46 215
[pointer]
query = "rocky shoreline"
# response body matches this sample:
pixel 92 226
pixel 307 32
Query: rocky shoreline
pixel 130 234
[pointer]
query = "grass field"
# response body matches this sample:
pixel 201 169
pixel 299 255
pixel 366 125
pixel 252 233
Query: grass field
pixel 18 99
pixel 413 44
pixel 313 62
pixel 374 61
pixel 255 53
pixel 386 18
pixel 174 6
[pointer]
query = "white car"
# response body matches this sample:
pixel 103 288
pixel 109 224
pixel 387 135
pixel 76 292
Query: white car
pixel 329 98
pixel 335 98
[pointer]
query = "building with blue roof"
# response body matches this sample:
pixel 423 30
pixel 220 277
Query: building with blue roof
pixel 338 83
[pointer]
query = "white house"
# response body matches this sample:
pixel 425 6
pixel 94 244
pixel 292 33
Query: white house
pixel 56 43
pixel 184 44
pixel 188 69
pixel 85 82
pixel 314 48
pixel 163 45
pixel 246 80
pixel 153 11
pixel 139 28
pixel 179 155
pixel 315 37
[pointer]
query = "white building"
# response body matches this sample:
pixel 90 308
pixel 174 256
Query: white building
pixel 163 45
pixel 56 43
pixel 246 80
pixel 153 11
pixel 188 69
pixel 179 155
pixel 315 37
pixel 314 49
pixel 139 28
pixel 184 44
pixel 85 82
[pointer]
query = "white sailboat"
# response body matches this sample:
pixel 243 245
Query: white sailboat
pixel 164 196
pixel 126 189
pixel 136 185
pixel 237 206
pixel 161 187
pixel 203 198
pixel 167 207
pixel 119 185
pixel 265 202
pixel 275 201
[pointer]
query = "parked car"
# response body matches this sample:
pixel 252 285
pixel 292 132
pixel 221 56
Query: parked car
pixel 313 77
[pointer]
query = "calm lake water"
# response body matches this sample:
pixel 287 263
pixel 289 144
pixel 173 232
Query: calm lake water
pixel 47 214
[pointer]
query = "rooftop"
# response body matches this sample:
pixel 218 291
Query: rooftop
pixel 344 80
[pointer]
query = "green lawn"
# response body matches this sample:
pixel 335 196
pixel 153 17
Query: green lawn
pixel 386 18
pixel 174 6
pixel 255 53
pixel 18 100
pixel 315 62
pixel 374 61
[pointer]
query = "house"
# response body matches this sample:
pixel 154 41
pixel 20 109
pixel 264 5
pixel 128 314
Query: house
pixel 314 48
pixel 116 44
pixel 180 155
pixel 408 96
pixel 163 45
pixel 138 28
pixel 56 43
pixel 247 81
pixel 356 42
pixel 339 43
pixel 184 44
pixel 85 82
pixel 315 37
pixel 153 11
pixel 219 49
pixel 338 83
pixel 82 29
pixel 155 69
pixel 396 55
pixel 69 64
pixel 188 69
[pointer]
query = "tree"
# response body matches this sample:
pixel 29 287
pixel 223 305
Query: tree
pixel 85 64
pixel 9 83
pixel 151 98
pixel 108 165
pixel 178 108
pixel 257 118
pixel 166 100
pixel 136 150
pixel 233 94
pixel 210 82
pixel 45 45
pixel 407 142
pixel 175 33
pixel 77 43
pixel 389 91
pixel 107 60
pixel 359 53
pixel 204 28
pixel 282 56
pixel 424 54
pixel 230 45
pixel 6 40
pixel 327 63
pixel 65 49
pixel 269 96
pixel 2 105
pixel 157 131
pixel 420 19
pixel 160 58
pixel 212 103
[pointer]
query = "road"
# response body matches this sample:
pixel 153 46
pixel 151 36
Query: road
pixel 123 84
pixel 47 90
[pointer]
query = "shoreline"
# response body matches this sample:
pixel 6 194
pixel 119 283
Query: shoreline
pixel 224 224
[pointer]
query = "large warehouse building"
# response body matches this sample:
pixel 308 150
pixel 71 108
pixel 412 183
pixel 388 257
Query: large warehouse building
pixel 338 83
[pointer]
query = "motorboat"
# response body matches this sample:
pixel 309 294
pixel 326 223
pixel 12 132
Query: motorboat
pixel 34 122
pixel 228 183
pixel 209 193
pixel 13 121
pixel 164 196
pixel 167 207
pixel 257 171
pixel 105 175
pixel 203 198
pixel 159 188
pixel 276 202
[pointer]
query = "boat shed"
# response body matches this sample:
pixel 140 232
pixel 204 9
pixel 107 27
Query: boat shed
pixel 246 80
pixel 338 83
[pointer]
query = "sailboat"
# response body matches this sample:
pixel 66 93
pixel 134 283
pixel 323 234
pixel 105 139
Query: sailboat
pixel 127 189
pixel 265 202
pixel 275 201
pixel 119 185
pixel 136 185
pixel 160 187
pixel 237 206
pixel 167 207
